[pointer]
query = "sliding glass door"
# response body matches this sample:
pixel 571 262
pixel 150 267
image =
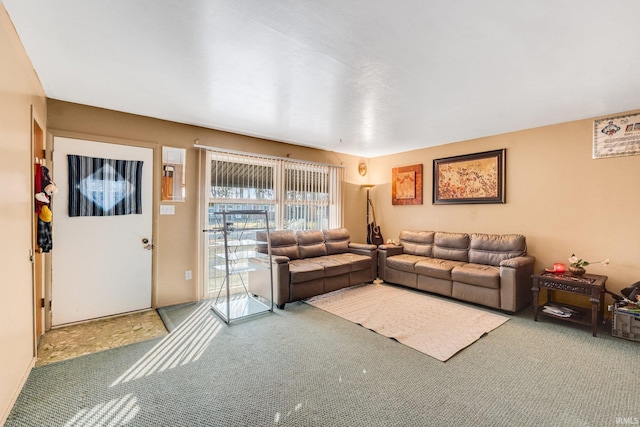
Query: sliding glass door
pixel 296 196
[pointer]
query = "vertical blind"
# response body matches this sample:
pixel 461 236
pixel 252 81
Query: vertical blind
pixel 299 195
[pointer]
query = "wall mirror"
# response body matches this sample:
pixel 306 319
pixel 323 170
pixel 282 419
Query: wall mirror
pixel 173 174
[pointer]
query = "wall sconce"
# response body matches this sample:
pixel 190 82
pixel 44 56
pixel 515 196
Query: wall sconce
pixel 362 168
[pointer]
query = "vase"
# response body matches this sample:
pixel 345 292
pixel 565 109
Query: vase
pixel 577 271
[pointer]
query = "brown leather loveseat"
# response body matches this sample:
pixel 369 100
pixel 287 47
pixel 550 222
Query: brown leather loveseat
pixel 310 263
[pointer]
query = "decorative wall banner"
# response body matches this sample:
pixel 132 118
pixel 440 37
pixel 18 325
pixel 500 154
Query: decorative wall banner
pixel 104 187
pixel 616 136
pixel 472 178
pixel 406 185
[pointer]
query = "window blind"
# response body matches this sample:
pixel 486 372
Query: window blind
pixel 299 195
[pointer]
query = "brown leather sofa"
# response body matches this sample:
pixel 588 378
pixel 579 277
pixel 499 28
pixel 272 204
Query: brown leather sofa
pixel 489 269
pixel 310 263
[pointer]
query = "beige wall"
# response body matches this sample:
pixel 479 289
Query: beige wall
pixel 177 236
pixel 560 198
pixel 545 166
pixel 20 89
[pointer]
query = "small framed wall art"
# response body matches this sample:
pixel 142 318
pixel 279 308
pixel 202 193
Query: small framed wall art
pixel 616 136
pixel 173 174
pixel 471 178
pixel 406 185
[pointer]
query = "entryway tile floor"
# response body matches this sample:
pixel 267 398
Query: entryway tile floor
pixel 97 335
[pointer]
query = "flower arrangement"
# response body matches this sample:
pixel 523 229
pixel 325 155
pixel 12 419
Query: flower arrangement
pixel 579 262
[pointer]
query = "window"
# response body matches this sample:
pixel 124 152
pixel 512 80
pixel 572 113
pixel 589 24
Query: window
pixel 241 183
pixel 298 195
pixel 306 201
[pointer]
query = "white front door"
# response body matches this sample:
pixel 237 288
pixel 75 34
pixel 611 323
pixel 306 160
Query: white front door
pixel 101 265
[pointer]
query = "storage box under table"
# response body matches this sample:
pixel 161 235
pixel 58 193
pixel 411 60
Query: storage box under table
pixel 625 324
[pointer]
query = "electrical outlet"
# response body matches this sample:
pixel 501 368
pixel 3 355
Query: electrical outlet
pixel 187 275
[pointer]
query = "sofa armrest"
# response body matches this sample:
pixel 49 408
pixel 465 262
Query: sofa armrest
pixel 391 250
pixel 518 262
pixel 280 274
pixel 370 251
pixel 281 288
pixel 279 259
pixel 515 283
pixel 362 248
pixel 263 261
pixel 384 252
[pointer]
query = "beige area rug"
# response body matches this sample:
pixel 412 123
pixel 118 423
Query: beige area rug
pixel 435 327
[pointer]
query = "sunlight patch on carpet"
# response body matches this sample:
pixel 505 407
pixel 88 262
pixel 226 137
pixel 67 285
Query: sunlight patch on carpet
pixel 115 412
pixel 183 345
pixel 430 325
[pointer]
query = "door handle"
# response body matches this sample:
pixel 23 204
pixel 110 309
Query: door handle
pixel 148 246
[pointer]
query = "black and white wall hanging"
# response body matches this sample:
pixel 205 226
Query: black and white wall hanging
pixel 104 187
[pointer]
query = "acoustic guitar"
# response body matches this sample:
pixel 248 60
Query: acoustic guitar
pixel 374 235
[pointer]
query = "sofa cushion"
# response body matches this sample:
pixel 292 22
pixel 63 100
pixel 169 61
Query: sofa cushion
pixel 302 270
pixel 336 240
pixel 283 242
pixel 451 246
pixel 486 276
pixel 492 249
pixel 356 262
pixel 333 265
pixel 437 268
pixel 417 242
pixel 404 262
pixel 311 243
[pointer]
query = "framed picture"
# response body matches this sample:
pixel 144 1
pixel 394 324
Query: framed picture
pixel 173 174
pixel 616 136
pixel 472 178
pixel 406 185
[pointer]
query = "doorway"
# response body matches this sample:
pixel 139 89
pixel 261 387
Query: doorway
pixel 101 265
pixel 38 255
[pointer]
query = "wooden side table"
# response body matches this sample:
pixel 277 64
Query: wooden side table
pixel 588 285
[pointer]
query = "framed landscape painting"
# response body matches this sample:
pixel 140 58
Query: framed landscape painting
pixel 472 178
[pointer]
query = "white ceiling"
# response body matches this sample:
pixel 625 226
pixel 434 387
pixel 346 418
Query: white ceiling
pixel 363 77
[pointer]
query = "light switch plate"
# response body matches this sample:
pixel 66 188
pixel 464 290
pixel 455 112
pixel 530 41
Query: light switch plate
pixel 167 210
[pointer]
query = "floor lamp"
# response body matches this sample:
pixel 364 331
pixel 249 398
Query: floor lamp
pixel 368 187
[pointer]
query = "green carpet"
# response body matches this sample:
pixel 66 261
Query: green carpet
pixel 306 367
